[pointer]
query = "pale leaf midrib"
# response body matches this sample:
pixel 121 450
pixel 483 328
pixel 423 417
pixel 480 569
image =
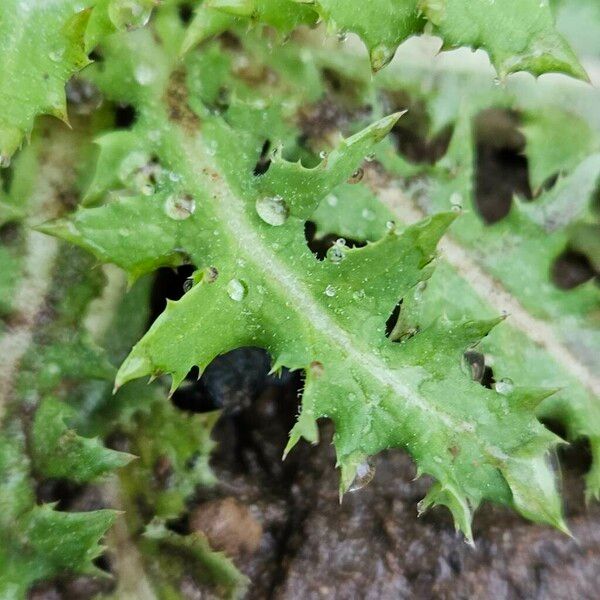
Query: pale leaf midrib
pixel 233 217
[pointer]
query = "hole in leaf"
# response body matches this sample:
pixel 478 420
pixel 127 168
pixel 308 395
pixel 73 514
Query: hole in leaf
pixel 186 12
pixel 230 41
pixel 96 55
pixel 264 162
pixel 320 245
pixel 230 382
pixel 480 372
pixel 168 285
pixel 125 116
pixel 412 133
pixel 420 149
pixel 393 319
pixel 6 178
pixel 501 169
pixel 572 269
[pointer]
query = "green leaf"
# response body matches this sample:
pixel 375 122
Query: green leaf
pixel 177 446
pixel 42 46
pixel 518 35
pixel 59 452
pixel 214 566
pixel 39 542
pixel 257 284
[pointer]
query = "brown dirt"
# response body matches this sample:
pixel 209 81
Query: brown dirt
pixel 373 545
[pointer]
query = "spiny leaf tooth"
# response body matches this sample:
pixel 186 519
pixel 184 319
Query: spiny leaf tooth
pixel 447 495
pixel 430 230
pixel 528 398
pixel 133 367
pixel 303 188
pixel 64 229
pixel 534 491
pixel 380 56
pixel 592 477
pixel 304 428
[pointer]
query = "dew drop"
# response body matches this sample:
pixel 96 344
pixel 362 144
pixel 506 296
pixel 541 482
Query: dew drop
pixel 368 214
pixel 56 55
pixel 370 157
pixel 505 386
pixel 390 225
pixel 330 291
pixel 210 274
pixel 365 472
pixel 4 161
pixel 357 176
pixel 188 284
pixel 236 290
pixel 180 206
pixel 131 163
pixel 129 14
pixel 144 74
pixel 358 294
pixel 332 200
pixel 272 210
pixel 336 254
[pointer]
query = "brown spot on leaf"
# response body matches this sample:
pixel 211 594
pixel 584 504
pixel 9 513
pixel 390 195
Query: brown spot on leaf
pixel 176 98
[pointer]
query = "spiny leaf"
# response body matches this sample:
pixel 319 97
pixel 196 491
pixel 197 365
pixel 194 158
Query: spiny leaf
pixel 519 35
pixel 195 547
pixel 327 318
pixel 42 46
pixel 59 452
pixel 38 541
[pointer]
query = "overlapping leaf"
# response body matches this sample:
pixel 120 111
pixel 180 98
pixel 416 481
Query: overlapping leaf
pixel 518 35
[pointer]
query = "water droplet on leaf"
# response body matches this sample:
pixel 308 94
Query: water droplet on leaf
pixel 56 55
pixel 236 290
pixel 129 14
pixel 365 472
pixel 144 74
pixel 356 176
pixel 505 386
pixel 180 206
pixel 330 291
pixel 272 210
pixel 337 253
